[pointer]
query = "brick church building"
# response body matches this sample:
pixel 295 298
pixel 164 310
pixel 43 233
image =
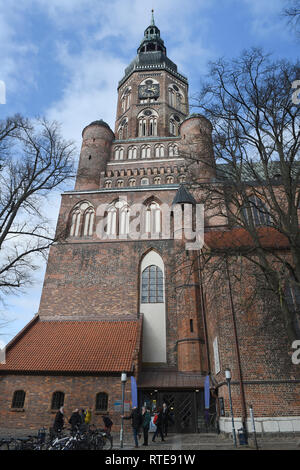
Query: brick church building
pixel 121 303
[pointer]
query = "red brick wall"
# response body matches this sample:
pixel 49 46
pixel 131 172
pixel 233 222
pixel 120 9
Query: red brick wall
pixel 80 392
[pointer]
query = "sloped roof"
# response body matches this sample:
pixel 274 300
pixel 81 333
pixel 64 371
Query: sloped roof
pixel 183 196
pixel 73 346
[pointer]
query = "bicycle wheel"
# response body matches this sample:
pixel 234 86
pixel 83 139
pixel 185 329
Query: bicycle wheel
pixel 107 442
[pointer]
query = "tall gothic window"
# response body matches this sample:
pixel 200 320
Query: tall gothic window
pixel 159 150
pixel 173 150
pixel 132 152
pixel 153 218
pixel 152 285
pixel 145 151
pixel 174 124
pixel 119 153
pixel 256 212
pixel 176 98
pixel 118 217
pixel 123 129
pixel 82 220
pixel 147 122
pixel 126 99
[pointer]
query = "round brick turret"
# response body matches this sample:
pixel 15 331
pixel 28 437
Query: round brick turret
pixel 197 147
pixel 95 153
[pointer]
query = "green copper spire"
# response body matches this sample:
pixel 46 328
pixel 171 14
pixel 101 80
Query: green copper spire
pixel 152 18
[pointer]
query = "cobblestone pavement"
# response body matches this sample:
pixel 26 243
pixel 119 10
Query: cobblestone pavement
pixel 210 442
pixel 192 442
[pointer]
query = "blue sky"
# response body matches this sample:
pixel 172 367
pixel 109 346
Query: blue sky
pixel 63 59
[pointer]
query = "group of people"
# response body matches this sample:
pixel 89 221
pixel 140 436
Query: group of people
pixel 140 421
pixel 79 419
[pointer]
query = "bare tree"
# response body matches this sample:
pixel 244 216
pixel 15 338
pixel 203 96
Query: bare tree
pixel 34 160
pixel 292 13
pixel 256 140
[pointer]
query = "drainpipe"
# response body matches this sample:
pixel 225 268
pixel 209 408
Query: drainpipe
pixel 237 349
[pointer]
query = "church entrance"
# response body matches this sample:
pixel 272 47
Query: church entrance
pixel 186 408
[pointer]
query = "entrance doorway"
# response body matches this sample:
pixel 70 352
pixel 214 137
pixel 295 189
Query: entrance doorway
pixel 186 408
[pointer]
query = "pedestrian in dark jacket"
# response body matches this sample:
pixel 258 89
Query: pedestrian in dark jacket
pixel 146 424
pixel 59 420
pixel 136 422
pixel 75 420
pixel 158 424
pixel 165 419
pixel 107 423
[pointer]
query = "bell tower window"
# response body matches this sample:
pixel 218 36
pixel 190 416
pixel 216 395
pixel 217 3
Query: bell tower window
pixel 147 120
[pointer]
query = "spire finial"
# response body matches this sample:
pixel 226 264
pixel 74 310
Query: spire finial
pixel 152 18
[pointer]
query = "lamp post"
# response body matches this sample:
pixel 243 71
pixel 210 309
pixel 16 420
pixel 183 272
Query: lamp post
pixel 228 380
pixel 123 382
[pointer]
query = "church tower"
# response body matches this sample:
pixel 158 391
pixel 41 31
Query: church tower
pixel 118 291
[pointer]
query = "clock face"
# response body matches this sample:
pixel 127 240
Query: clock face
pixel 149 90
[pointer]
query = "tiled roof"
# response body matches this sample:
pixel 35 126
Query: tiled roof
pixel 170 379
pixel 73 346
pixel 269 238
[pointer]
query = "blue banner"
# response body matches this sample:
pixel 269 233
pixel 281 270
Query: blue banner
pixel 206 392
pixel 134 398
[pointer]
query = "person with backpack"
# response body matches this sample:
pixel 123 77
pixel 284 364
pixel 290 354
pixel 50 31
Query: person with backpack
pixel 158 421
pixel 146 423
pixel 136 422
pixel 107 424
pixel 75 420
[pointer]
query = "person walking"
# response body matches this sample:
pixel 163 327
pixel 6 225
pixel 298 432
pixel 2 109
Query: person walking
pixel 146 424
pixel 136 422
pixel 158 423
pixel 165 419
pixel 107 423
pixel 59 420
pixel 75 420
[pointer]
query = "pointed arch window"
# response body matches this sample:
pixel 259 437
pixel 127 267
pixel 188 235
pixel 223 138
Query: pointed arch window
pixel 256 212
pixel 119 153
pixel 157 180
pixel 132 152
pixel 173 150
pixel 82 220
pixel 57 401
pixel 123 129
pixel 88 226
pixel 145 151
pixel 18 399
pixel 118 218
pixel 108 184
pixel 101 401
pixel 132 182
pixel 170 180
pixel 174 124
pixel 147 123
pixel 153 218
pixel 126 99
pixel 159 151
pixel 152 285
